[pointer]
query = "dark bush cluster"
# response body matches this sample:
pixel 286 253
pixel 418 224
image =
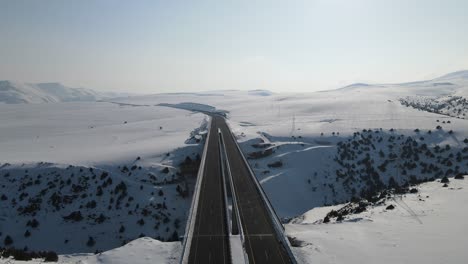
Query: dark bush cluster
pixel 24 255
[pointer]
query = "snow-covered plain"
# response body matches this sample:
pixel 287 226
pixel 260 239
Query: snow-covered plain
pixel 91 133
pixel 304 134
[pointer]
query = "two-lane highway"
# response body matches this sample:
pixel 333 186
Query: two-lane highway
pixel 210 241
pixel 261 242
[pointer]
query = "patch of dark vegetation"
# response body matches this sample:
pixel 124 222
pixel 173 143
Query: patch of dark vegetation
pixel 182 190
pixel 8 240
pixel 190 166
pixel 91 242
pixel 454 106
pixel 276 164
pixel 295 242
pixel 25 255
pixel 260 154
pixel 350 208
pixel 261 145
pixel 369 161
pixel 73 216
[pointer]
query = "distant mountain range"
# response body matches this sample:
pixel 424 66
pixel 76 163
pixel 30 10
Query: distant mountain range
pixel 16 92
pixel 12 92
pixel 459 77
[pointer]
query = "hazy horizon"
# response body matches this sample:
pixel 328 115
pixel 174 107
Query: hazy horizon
pixel 298 46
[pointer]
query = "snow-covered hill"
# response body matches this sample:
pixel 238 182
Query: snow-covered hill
pixel 86 209
pixel 455 76
pixel 139 251
pixel 452 84
pixel 17 92
pixel 88 176
pixel 428 226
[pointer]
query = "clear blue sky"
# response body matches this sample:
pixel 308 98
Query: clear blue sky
pixel 171 45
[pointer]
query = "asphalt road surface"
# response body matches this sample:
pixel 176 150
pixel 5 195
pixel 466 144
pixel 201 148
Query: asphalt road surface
pixel 210 241
pixel 261 242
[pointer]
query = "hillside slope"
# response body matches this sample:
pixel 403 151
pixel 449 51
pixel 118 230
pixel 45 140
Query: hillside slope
pixel 424 227
pixel 16 92
pixel 91 176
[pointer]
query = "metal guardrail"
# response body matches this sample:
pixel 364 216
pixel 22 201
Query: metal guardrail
pixel 223 174
pixel 279 228
pixel 193 208
pixel 223 182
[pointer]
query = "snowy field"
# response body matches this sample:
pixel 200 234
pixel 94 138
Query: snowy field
pixel 309 151
pixel 91 133
pixel 425 227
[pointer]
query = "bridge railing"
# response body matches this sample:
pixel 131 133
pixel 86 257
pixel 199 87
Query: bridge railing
pixel 228 176
pixel 193 208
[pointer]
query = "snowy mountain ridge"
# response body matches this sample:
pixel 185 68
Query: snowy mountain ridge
pixel 458 74
pixel 449 83
pixel 13 92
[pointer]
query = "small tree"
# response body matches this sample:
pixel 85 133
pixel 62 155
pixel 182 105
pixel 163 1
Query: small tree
pixel 91 242
pixel 445 180
pixel 8 241
pixel 175 236
pixel 50 256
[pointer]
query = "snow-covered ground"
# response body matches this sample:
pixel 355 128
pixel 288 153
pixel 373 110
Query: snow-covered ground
pixel 313 150
pixel 95 175
pixel 425 227
pixel 91 133
pixel 140 251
